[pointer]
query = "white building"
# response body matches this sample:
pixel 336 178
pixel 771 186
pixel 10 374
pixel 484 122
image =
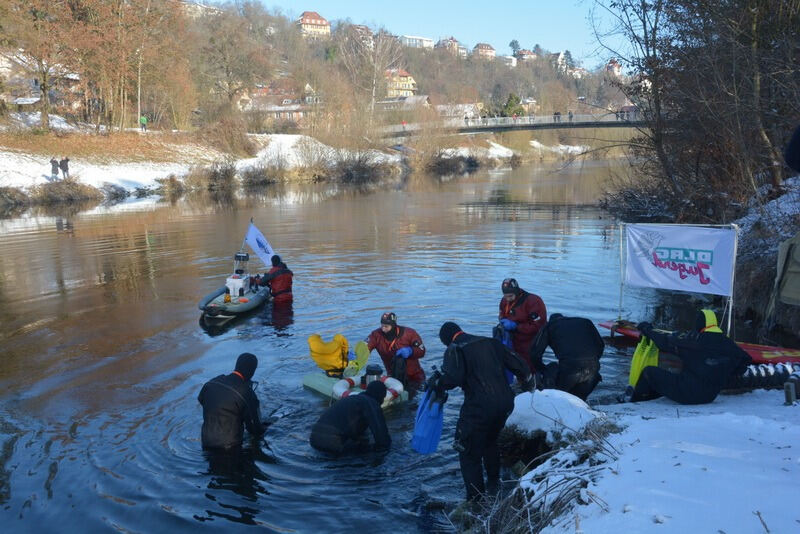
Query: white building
pixel 413 41
pixel 509 61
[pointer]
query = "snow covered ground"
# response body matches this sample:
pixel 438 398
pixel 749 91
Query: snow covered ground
pixel 732 466
pixel 18 169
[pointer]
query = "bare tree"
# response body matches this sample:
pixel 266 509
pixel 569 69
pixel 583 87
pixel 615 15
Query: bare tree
pixel 644 27
pixel 35 32
pixel 367 58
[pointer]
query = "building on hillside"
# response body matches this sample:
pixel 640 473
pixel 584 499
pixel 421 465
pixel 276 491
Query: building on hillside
pixel 400 83
pixel 509 61
pixel 484 51
pixel 313 25
pixel 559 61
pixel 22 87
pixel 460 111
pixel 404 103
pixel 463 51
pixel 579 72
pixel 613 67
pixel 195 10
pixel 526 55
pixel 279 104
pixel 363 34
pixel 529 105
pixel 450 44
pixel 412 41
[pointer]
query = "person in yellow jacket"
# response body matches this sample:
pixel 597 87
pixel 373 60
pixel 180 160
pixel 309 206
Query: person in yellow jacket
pixel 709 359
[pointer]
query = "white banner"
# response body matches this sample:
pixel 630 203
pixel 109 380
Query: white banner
pixel 259 244
pixel 683 258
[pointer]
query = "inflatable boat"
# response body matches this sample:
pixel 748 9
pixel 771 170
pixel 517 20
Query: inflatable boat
pixel 241 294
pixel 339 373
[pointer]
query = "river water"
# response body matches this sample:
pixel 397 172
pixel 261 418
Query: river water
pixel 102 356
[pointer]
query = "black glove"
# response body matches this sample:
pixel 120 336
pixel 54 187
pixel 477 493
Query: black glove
pixel 644 327
pixel 269 420
pixel 529 384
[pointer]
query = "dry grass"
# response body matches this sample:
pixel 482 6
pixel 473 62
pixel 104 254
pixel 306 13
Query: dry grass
pixel 125 147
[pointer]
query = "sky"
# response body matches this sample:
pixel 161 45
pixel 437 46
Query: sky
pixel 555 25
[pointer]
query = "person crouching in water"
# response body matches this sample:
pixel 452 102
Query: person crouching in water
pixel 400 348
pixel 522 315
pixel 229 404
pixel 709 359
pixel 341 427
pixel 476 364
pixel 578 346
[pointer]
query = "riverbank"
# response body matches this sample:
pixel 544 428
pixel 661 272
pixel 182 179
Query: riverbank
pixel 727 466
pixel 134 162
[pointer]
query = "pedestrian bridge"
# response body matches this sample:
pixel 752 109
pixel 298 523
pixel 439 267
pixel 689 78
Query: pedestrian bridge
pixel 625 119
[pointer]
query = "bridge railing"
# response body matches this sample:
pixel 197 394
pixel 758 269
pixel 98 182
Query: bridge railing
pixel 509 122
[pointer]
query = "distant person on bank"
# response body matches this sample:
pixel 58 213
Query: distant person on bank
pixel 143 123
pixel 341 427
pixel 709 359
pixel 578 346
pixel 64 166
pixel 230 405
pixel 53 169
pixel 279 279
pixel 522 314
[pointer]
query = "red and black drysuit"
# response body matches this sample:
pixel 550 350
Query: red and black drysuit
pixel 529 312
pixel 279 280
pixel 388 343
pixel 476 364
pixel 229 404
pixel 709 360
pixel 578 346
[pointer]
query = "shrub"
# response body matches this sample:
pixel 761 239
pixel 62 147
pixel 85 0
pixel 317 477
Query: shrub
pixel 12 197
pixel 359 167
pixel 170 187
pixel 69 190
pixel 222 175
pixel 113 192
pixel 230 136
pixel 261 175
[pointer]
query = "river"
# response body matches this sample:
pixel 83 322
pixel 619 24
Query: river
pixel 102 356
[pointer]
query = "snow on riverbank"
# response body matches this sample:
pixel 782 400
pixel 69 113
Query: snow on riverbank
pixel 731 466
pixel 286 151
pixel 289 151
pixel 566 150
pixel 25 170
pixel 494 151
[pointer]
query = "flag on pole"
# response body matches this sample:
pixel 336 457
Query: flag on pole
pixel 256 240
pixel 683 258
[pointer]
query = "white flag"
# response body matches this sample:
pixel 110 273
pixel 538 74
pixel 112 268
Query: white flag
pixel 683 258
pixel 259 244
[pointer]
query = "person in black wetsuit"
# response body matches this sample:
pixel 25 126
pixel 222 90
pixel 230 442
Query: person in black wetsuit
pixel 709 359
pixel 476 364
pixel 229 404
pixel 578 346
pixel 341 427
pixel 792 152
